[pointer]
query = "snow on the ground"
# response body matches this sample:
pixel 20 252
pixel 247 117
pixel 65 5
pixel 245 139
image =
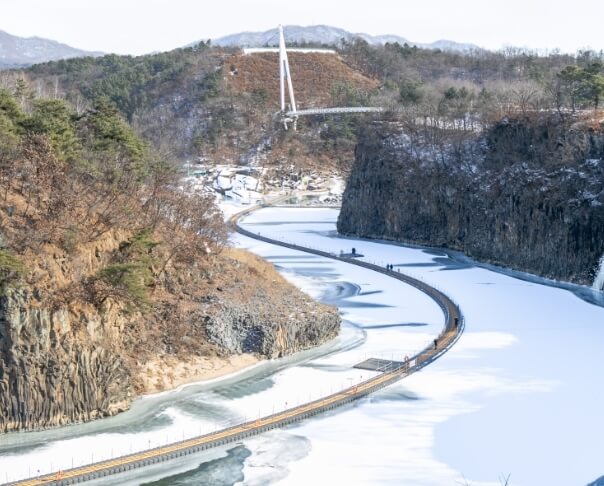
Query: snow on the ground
pixel 337 185
pixel 367 299
pixel 518 394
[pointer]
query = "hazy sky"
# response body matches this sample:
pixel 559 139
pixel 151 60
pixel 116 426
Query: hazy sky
pixel 137 27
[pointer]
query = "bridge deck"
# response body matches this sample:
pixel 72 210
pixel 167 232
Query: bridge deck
pixel 381 365
pixel 387 376
pixel 336 110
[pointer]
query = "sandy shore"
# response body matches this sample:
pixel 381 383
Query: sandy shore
pixel 168 372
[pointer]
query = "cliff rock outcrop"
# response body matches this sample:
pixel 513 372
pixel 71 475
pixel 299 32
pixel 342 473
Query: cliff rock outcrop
pixel 70 362
pixel 58 367
pixel 526 193
pixel 112 272
pixel 266 317
pixel 245 329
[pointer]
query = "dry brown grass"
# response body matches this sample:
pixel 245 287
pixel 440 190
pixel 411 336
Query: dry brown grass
pixel 181 295
pixel 313 76
pixel 257 265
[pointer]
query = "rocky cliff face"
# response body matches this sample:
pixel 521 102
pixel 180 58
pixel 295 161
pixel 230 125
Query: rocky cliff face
pixel 243 329
pixel 266 317
pixel 70 362
pixel 57 366
pixel 528 194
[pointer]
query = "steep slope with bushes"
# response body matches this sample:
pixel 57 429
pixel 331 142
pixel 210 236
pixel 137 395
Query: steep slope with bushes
pixel 107 266
pixel 213 103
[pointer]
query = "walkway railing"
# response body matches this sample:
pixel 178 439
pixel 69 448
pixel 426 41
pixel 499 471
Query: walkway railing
pixel 336 110
pixel 454 326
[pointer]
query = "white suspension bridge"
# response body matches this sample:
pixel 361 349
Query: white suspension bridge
pixel 291 115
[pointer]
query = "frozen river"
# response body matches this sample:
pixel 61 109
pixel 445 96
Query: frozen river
pixel 518 394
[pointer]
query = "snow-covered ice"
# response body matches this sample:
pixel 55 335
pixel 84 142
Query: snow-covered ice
pixel 599 280
pixel 519 393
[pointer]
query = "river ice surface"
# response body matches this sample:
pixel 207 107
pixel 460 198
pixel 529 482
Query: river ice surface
pixel 519 394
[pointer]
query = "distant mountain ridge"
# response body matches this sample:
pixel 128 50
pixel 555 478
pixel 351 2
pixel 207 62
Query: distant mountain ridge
pixel 24 51
pixel 325 34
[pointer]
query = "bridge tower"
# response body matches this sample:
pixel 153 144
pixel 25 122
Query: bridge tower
pixel 292 114
pixel 284 73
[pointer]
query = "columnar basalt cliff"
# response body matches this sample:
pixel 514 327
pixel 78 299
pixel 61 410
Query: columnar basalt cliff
pixel 57 366
pixel 73 362
pixel 115 278
pixel 527 193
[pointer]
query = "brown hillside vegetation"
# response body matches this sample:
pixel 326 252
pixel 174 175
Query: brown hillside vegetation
pixel 114 281
pixel 313 74
pixel 217 104
pixel 157 320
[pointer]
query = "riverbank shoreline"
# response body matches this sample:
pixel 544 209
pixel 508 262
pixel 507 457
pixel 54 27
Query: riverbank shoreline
pixel 166 374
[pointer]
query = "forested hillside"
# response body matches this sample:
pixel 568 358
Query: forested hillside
pixel 478 88
pixel 209 102
pixel 216 103
pixel 111 273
